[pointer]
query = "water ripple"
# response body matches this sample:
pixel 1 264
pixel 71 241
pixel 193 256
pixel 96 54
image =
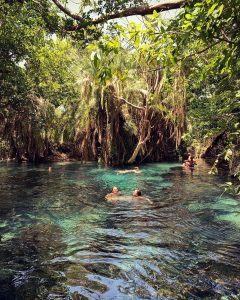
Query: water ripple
pixel 61 240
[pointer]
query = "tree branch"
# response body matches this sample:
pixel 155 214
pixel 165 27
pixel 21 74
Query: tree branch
pixel 142 10
pixel 140 144
pixel 201 51
pixel 224 40
pixel 67 11
pixel 129 103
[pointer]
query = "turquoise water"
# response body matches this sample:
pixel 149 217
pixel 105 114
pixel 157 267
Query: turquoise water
pixel 61 240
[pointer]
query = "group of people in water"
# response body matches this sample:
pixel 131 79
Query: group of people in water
pixel 116 192
pixel 116 195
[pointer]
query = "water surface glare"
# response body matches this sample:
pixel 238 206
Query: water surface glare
pixel 59 238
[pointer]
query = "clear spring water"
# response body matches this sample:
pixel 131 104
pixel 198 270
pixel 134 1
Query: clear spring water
pixel 61 240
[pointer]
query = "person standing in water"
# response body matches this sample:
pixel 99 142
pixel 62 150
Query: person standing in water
pixel 190 163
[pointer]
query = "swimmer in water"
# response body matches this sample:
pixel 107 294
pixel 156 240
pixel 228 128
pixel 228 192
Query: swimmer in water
pixel 114 193
pixel 137 194
pixel 135 170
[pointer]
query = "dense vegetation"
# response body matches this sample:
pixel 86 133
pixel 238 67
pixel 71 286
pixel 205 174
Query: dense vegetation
pixel 119 93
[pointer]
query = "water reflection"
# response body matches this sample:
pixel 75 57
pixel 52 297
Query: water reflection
pixel 61 240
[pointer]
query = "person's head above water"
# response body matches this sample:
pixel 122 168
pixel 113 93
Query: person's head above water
pixel 136 168
pixel 115 190
pixel 137 193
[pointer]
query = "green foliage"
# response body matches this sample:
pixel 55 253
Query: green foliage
pixel 208 44
pixel 232 189
pixel 212 22
pixel 100 7
pixel 52 71
pixel 53 90
pixel 36 75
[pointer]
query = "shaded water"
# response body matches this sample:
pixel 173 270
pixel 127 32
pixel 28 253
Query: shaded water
pixel 61 240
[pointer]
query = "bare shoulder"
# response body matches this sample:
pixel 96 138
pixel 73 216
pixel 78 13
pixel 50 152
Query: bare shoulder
pixel 142 198
pixel 113 197
pixel 148 200
pixel 109 196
